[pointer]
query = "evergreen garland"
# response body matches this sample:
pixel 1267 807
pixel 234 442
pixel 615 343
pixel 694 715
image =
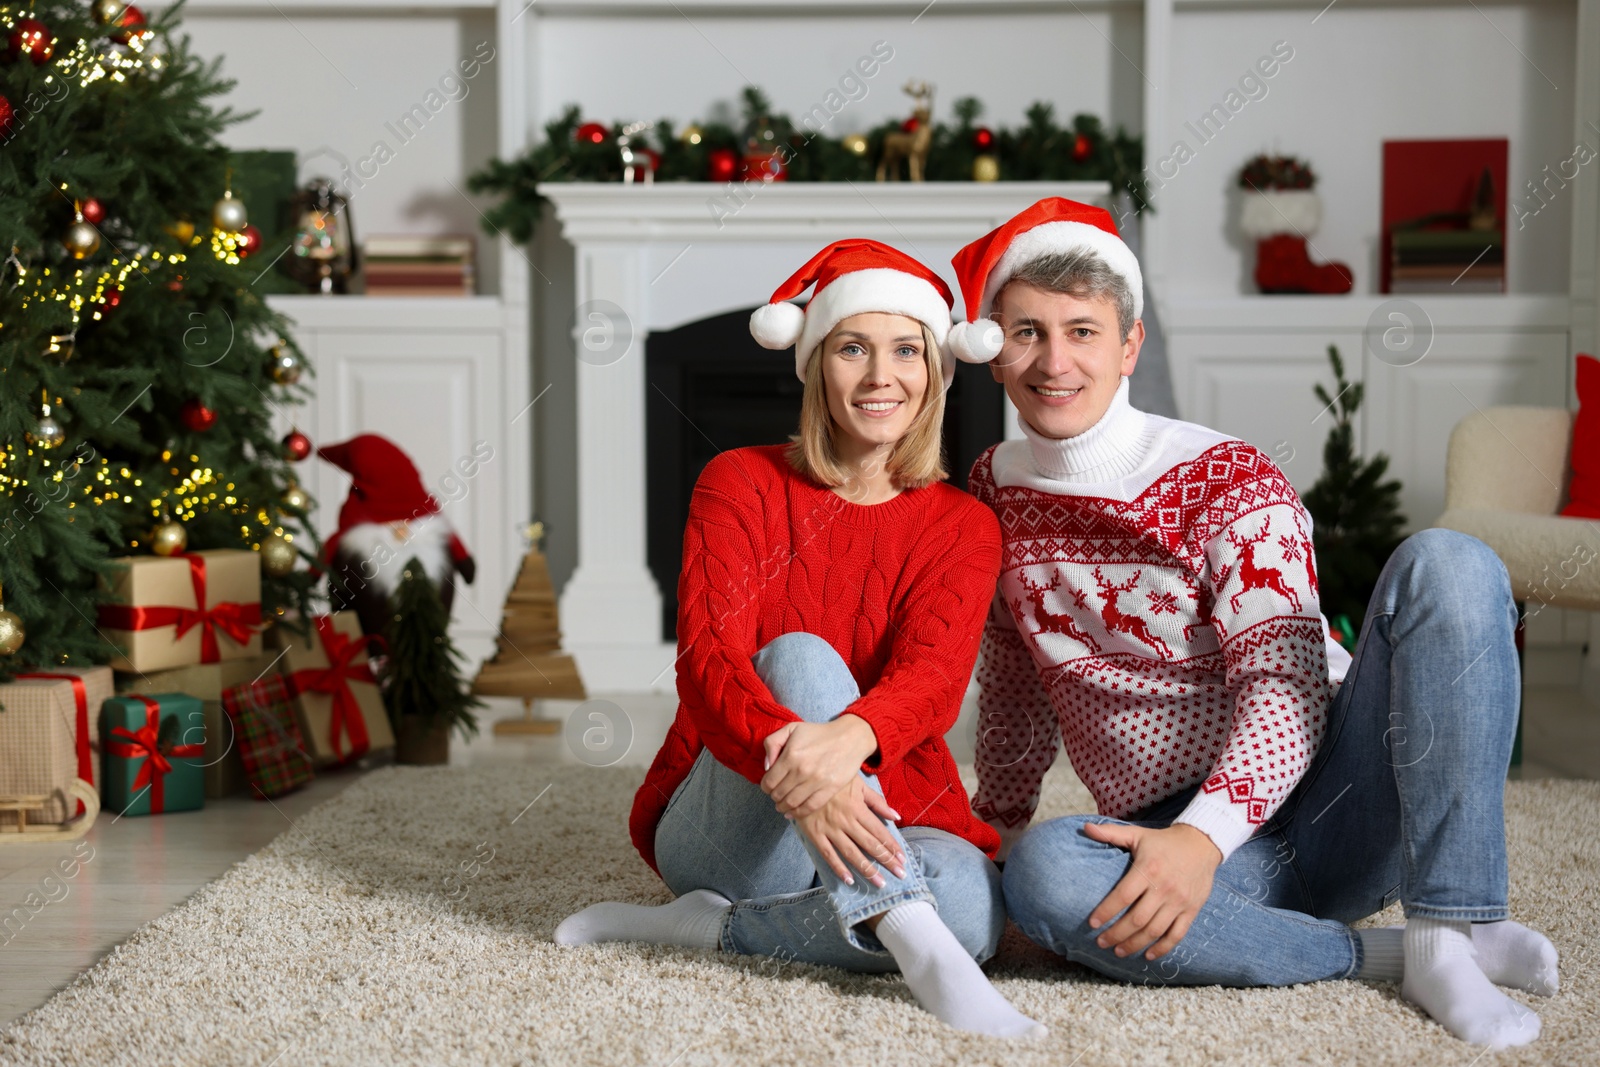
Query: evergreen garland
pixel 1040 150
pixel 424 675
pixel 156 318
pixel 1355 513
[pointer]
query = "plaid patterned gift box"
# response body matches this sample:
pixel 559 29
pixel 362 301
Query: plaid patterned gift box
pixel 275 758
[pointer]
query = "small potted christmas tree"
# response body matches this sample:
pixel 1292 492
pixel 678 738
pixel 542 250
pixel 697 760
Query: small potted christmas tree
pixel 425 693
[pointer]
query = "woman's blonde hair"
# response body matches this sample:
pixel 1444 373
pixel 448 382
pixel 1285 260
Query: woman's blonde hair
pixel 914 461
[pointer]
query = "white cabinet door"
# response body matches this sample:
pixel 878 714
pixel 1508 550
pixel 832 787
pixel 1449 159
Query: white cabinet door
pixel 435 394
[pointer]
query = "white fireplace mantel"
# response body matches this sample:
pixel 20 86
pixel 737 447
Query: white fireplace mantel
pixel 654 257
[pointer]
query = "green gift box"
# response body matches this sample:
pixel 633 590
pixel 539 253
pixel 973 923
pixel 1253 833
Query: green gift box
pixel 152 753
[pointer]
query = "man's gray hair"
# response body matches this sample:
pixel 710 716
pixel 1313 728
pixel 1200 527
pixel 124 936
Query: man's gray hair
pixel 1080 273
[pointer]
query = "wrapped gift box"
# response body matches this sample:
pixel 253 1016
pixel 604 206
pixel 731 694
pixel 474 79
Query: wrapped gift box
pixel 224 769
pixel 341 712
pixel 91 686
pixel 40 747
pixel 262 718
pixel 153 749
pixel 174 611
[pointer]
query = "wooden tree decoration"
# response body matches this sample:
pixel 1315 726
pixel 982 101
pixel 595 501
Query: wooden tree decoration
pixel 529 662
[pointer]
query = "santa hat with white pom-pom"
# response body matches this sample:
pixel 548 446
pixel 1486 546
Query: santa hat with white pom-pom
pixel 852 277
pixel 1052 225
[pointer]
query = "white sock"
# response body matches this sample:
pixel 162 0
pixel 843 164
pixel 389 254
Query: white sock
pixel 944 978
pixel 1513 955
pixel 1383 954
pixel 1443 978
pixel 694 920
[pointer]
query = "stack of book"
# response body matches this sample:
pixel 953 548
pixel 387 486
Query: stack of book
pixel 1424 260
pixel 417 265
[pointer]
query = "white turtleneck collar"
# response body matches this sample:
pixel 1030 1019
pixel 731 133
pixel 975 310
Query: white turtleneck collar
pixel 1112 448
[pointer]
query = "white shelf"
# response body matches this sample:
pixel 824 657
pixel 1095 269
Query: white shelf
pixel 330 7
pixel 1321 314
pixel 357 312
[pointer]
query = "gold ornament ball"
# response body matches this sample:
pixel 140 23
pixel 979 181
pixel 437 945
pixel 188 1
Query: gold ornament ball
pixel 82 240
pixel 229 215
pixel 182 229
pixel 277 556
pixel 12 633
pixel 295 498
pixel 168 538
pixel 986 168
pixel 107 12
pixel 47 434
pixel 286 365
pixel 691 134
pixel 857 143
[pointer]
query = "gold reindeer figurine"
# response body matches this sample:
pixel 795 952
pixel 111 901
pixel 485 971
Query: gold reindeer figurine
pixel 910 146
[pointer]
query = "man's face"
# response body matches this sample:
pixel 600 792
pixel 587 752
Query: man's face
pixel 1062 360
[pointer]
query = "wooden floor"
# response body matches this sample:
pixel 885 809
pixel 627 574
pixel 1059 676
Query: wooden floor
pixel 140 868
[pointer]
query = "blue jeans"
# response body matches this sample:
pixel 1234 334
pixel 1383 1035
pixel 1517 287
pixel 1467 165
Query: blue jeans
pixel 1403 800
pixel 721 832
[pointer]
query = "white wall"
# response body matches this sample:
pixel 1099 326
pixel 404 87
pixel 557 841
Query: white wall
pixel 1361 75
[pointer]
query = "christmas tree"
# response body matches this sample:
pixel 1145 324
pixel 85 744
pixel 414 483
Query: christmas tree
pixel 424 673
pixel 1355 513
pixel 138 361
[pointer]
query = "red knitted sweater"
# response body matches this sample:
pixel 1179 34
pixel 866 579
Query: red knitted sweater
pixel 899 589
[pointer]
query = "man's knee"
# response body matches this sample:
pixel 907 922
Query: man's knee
pixel 966 889
pixel 1056 876
pixel 1443 559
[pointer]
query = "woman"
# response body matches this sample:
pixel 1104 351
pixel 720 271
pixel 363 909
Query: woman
pixel 804 804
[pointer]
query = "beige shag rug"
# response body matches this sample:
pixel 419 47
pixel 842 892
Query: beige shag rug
pixel 408 921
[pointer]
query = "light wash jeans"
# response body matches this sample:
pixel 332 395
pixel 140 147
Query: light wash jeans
pixel 1403 800
pixel 721 832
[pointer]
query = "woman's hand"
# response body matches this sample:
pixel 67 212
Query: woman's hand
pixel 849 832
pixel 808 762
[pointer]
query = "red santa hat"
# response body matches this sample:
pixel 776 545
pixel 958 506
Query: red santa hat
pixel 852 277
pixel 1054 224
pixel 385 487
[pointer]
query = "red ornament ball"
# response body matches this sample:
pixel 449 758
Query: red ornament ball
pixel 765 167
pixel 196 416
pixel 7 116
pixel 296 445
pixel 109 302
pixel 983 138
pixel 1082 149
pixel 31 38
pixel 129 26
pixel 592 133
pixel 910 125
pixel 93 211
pixel 249 241
pixel 722 164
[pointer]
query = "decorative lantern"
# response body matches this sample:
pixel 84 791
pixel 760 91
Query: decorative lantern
pixel 324 241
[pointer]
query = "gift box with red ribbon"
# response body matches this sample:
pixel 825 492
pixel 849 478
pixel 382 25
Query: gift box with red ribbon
pixel 90 688
pixel 224 767
pixel 172 611
pixel 153 749
pixel 262 717
pixel 341 711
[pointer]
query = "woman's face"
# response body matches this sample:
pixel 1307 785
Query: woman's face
pixel 875 374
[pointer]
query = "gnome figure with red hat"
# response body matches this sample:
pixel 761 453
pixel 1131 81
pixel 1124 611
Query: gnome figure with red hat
pixel 1157 615
pixel 387 518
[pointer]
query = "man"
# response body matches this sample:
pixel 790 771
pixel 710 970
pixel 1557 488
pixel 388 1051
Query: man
pixel 1157 612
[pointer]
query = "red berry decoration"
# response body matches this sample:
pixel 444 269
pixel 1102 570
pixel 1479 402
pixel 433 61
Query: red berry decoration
pixel 983 138
pixel 31 38
pixel 129 26
pixel 1081 149
pixel 592 133
pixel 721 165
pixel 197 416
pixel 296 445
pixel 93 211
pixel 7 116
pixel 249 241
pixel 109 302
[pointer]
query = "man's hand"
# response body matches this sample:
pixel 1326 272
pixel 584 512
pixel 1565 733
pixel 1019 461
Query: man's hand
pixel 849 832
pixel 1164 889
pixel 808 762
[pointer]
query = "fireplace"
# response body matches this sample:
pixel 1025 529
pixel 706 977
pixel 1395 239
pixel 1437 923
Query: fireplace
pixel 664 258
pixel 710 387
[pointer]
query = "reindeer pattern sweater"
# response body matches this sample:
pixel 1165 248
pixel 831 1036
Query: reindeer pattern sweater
pixel 1157 612
pixel 899 589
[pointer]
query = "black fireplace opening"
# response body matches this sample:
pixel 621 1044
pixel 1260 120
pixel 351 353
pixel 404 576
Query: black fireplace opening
pixel 710 387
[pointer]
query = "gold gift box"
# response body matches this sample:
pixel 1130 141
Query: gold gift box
pixel 161 586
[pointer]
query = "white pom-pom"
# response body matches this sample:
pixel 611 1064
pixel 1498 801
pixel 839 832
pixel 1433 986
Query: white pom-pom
pixel 976 342
pixel 777 326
